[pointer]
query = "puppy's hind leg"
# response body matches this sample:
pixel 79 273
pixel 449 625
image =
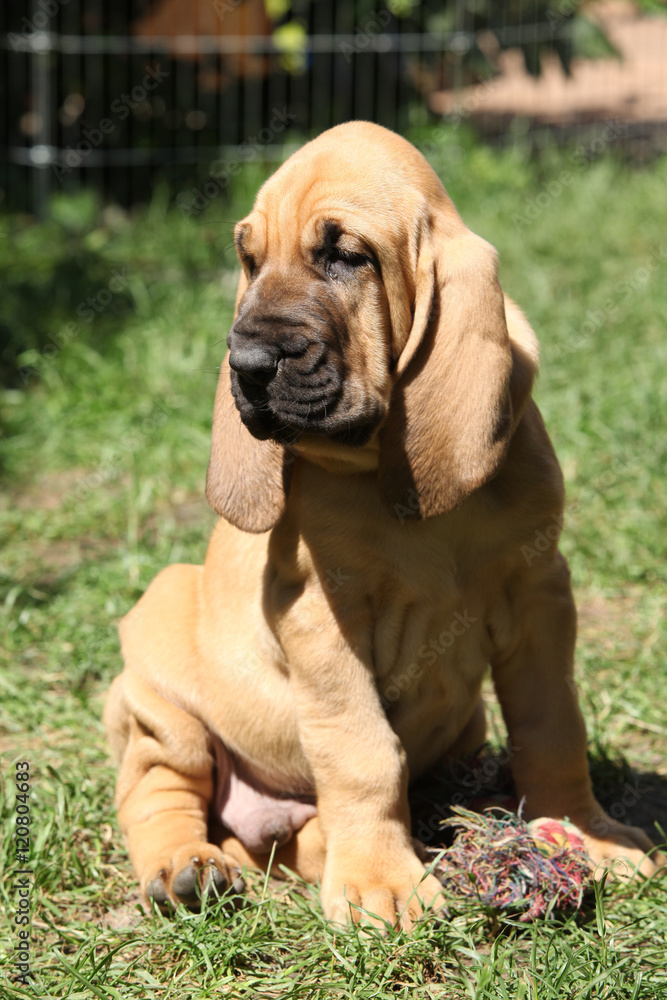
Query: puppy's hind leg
pixel 164 788
pixel 303 854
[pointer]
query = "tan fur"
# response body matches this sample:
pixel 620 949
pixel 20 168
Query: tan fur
pixel 289 643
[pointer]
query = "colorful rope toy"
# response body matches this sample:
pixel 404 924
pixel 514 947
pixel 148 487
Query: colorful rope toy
pixel 507 864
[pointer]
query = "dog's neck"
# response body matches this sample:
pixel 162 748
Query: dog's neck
pixel 336 458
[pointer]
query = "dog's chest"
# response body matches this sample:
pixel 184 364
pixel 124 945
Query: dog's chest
pixel 429 654
pixel 413 599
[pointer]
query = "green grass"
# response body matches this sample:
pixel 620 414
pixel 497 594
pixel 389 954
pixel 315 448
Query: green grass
pixel 103 456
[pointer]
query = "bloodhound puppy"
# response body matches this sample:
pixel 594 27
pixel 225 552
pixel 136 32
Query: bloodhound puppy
pixel 390 508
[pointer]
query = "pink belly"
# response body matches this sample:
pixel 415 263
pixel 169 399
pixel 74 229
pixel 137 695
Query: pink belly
pixel 256 814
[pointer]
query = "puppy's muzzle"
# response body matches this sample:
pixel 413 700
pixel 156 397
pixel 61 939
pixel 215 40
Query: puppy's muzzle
pixel 255 351
pixel 285 379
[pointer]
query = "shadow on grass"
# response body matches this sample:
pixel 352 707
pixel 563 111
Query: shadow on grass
pixel 630 795
pixel 46 306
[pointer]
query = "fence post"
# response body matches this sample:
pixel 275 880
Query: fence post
pixel 41 151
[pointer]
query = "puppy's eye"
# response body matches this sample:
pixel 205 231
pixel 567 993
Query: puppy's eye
pixel 249 264
pixel 339 262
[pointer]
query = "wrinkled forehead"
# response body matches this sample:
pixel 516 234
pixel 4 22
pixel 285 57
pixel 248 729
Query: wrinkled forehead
pixel 373 190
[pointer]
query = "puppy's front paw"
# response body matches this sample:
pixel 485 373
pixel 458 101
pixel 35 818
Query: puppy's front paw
pixel 384 891
pixel 623 851
pixel 191 872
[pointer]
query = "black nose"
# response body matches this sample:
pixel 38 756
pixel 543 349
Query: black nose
pixel 254 363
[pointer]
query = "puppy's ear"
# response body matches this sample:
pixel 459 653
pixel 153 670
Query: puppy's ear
pixel 451 412
pixel 247 480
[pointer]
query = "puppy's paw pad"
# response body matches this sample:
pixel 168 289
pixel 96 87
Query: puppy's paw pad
pixel 185 883
pixel 215 882
pixel 157 890
pixel 190 877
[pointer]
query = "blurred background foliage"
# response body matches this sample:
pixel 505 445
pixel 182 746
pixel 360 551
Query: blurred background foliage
pixel 222 68
pixel 537 29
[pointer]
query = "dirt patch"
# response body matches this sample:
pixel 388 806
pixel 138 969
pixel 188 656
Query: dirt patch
pixel 49 491
pixel 53 560
pixel 46 562
pixel 125 916
pixel 632 88
pixel 189 511
pixel 609 622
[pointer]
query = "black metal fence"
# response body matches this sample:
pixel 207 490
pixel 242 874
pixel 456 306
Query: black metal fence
pixel 115 94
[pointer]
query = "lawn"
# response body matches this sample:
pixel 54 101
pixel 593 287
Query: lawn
pixel 120 320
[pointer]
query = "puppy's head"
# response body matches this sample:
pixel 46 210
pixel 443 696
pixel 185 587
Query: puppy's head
pixel 369 325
